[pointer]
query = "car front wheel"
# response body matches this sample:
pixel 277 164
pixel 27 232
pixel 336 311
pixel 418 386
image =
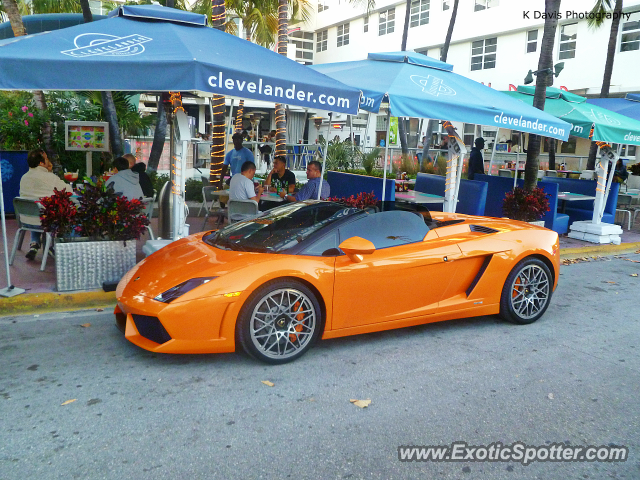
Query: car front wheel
pixel 279 322
pixel 527 292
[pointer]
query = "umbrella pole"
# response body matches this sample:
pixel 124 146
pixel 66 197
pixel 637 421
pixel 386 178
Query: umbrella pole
pixel 324 155
pixel 10 291
pixel 386 153
pixel 493 151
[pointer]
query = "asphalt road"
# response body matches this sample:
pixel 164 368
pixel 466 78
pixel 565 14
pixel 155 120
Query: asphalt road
pixel 573 376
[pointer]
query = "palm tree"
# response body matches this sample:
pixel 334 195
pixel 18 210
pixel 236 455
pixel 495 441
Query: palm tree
pixel 601 7
pixel 218 18
pixel 543 79
pixel 283 38
pixel 443 58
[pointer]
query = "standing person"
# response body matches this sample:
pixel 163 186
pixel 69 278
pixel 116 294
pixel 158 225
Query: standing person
pixel 37 183
pixel 266 150
pixel 281 176
pixel 476 162
pixel 125 182
pixel 310 190
pixel 241 185
pixel 235 158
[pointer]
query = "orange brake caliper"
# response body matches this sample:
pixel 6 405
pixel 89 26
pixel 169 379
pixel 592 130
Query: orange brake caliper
pixel 298 328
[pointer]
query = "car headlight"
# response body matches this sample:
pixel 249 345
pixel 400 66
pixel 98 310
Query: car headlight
pixel 182 288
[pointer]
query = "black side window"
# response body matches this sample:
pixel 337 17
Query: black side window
pixel 322 245
pixel 387 229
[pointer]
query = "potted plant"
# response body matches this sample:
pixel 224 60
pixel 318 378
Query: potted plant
pixel 526 206
pixel 362 201
pixel 94 239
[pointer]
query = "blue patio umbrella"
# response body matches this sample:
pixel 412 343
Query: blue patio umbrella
pixel 628 106
pixel 419 86
pixel 416 85
pixel 153 48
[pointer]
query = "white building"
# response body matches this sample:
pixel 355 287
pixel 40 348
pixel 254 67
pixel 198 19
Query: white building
pixel 495 42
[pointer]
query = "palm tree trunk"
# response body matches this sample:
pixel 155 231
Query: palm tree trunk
pixel 239 115
pixel 12 11
pixel 443 58
pixel 608 69
pixel 159 136
pixel 542 81
pixel 402 130
pixel 109 109
pixel 552 153
pixel 281 119
pixel 218 18
pixel 86 11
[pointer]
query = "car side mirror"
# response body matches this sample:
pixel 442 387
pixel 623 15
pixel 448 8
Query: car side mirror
pixel 356 247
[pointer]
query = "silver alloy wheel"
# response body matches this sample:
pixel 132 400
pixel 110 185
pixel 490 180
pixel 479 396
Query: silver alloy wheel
pixel 530 291
pixel 282 323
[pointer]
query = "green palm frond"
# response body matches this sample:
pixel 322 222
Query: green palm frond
pixel 599 10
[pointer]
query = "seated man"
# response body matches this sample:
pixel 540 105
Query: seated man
pixel 281 177
pixel 141 169
pixel 241 184
pixel 310 190
pixel 125 182
pixel 37 183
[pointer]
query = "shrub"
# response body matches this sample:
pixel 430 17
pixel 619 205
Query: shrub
pixel 362 201
pixel 525 206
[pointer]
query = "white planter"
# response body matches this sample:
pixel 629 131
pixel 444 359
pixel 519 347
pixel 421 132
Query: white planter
pixel 84 265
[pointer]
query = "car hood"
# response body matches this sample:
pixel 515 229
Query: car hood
pixel 183 260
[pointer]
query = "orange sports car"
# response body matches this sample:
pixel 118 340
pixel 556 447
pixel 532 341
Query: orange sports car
pixel 276 283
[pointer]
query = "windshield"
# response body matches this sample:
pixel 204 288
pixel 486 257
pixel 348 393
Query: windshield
pixel 280 228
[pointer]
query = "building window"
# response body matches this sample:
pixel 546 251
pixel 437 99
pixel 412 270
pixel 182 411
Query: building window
pixel 321 40
pixel 304 46
pixel 419 13
pixel 343 34
pixel 568 35
pixel 322 5
pixel 469 134
pixel 366 24
pixel 630 39
pixel 446 5
pixel 387 21
pixel 484 4
pixel 483 54
pixel 532 41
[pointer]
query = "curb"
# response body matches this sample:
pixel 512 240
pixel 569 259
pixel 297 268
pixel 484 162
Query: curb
pixel 602 250
pixel 30 303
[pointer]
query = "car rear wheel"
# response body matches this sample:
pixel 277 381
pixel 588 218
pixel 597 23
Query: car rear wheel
pixel 527 292
pixel 279 322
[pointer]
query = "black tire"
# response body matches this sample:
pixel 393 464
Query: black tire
pixel 526 292
pixel 279 322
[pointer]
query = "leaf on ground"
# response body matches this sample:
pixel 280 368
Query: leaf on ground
pixel 99 309
pixel 360 403
pixel 68 402
pixel 550 396
pixel 634 274
pixel 268 383
pixel 85 325
pixel 613 283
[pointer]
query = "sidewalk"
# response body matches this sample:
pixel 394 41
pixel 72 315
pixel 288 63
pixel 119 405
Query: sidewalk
pixel 41 294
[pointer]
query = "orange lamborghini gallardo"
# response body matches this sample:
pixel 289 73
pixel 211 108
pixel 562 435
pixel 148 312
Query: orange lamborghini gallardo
pixel 275 284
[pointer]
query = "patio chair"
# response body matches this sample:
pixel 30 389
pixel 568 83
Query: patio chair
pixel 208 198
pixel 587 174
pixel 239 210
pixel 214 209
pixel 149 203
pixel 28 215
pixel 540 174
pixel 551 173
pixel 504 172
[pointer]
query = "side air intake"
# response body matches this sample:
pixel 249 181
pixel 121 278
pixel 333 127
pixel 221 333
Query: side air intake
pixel 482 229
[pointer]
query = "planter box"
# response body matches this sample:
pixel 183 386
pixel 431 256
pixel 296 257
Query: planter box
pixel 85 265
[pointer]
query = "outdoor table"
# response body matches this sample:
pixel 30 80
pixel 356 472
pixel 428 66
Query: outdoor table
pixel 271 197
pixel 572 197
pixel 418 197
pixel 566 173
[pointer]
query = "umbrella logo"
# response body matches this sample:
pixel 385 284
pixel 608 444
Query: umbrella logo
pixel 91 44
pixel 432 85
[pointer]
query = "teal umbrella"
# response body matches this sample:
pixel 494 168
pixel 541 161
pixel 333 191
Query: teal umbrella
pixel 607 126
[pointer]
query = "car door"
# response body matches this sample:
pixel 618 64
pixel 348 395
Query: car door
pixel 404 277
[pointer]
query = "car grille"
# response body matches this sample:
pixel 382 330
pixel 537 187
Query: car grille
pixel 151 328
pixel 482 228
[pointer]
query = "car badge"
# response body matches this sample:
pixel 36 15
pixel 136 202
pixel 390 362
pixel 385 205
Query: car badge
pixel 136 279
